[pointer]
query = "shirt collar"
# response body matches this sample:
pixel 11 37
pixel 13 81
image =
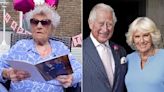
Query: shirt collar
pixel 31 47
pixel 96 43
pixel 53 46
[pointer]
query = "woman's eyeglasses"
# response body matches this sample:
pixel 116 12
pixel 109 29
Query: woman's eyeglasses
pixel 44 22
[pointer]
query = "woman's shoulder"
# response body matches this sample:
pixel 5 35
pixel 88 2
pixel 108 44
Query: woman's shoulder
pixel 132 56
pixel 24 43
pixel 59 47
pixel 20 46
pixel 160 52
pixel 57 43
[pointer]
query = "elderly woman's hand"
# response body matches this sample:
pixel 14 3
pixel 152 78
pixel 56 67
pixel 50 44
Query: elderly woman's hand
pixel 65 80
pixel 15 75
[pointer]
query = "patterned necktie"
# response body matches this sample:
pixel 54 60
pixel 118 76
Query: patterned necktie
pixel 106 59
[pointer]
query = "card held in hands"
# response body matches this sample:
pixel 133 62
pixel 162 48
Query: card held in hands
pixel 46 70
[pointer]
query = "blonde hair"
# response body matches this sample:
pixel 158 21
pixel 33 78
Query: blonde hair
pixel 146 25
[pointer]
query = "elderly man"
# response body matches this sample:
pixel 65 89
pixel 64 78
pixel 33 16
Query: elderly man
pixel 104 64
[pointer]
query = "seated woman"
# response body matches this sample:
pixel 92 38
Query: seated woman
pixel 145 65
pixel 42 21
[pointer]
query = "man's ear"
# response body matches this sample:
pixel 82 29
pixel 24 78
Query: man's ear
pixel 90 24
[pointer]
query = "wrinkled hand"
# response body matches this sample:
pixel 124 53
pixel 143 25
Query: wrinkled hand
pixel 15 75
pixel 65 80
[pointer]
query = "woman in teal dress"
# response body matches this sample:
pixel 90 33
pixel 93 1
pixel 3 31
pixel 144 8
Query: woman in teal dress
pixel 146 63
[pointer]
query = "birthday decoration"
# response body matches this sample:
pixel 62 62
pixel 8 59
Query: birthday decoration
pixel 77 41
pixel 23 5
pixel 27 5
pixel 14 25
pixel 39 2
pixel 7 17
pixel 52 3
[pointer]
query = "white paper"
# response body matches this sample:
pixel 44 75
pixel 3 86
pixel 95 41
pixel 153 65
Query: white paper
pixel 35 75
pixel 44 70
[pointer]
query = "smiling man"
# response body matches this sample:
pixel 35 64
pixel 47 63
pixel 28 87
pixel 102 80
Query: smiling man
pixel 102 69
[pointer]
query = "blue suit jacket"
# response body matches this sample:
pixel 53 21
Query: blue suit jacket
pixel 95 78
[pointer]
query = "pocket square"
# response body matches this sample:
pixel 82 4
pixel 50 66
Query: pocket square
pixel 123 60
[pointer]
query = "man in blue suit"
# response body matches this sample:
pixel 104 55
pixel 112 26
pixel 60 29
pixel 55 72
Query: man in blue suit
pixel 96 77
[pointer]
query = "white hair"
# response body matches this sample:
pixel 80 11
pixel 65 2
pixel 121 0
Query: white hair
pixel 93 13
pixel 46 10
pixel 146 25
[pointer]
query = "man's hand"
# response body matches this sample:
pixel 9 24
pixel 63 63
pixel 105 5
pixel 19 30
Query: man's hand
pixel 65 80
pixel 15 75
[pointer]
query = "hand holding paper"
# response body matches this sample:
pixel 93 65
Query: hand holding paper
pixel 15 75
pixel 46 70
pixel 65 80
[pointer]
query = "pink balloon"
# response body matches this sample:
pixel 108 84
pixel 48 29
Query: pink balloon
pixel 52 3
pixel 27 5
pixel 23 5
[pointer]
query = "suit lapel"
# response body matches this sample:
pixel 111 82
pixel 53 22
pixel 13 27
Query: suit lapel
pixel 117 64
pixel 96 59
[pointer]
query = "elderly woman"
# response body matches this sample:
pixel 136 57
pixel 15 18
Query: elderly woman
pixel 42 22
pixel 146 64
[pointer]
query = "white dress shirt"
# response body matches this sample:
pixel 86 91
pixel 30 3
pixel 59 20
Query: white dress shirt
pixel 99 48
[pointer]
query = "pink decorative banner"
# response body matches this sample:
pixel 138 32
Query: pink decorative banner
pixel 77 40
pixel 14 25
pixel 7 17
pixel 20 30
